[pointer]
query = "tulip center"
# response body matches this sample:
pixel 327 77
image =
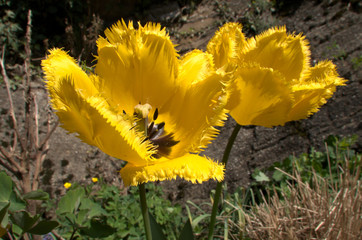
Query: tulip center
pixel 154 132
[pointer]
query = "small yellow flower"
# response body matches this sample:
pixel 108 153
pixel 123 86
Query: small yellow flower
pixel 67 185
pixel 143 104
pixel 274 80
pixel 94 179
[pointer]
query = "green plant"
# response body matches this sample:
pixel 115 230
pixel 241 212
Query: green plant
pixel 336 51
pixel 104 211
pixel 288 195
pixel 317 209
pixel 357 62
pixel 81 216
pixel 15 220
pixel 230 221
pixel 326 164
pixel 9 28
pixel 258 17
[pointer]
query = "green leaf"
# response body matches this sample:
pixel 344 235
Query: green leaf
pixel 278 176
pixel 187 233
pixel 156 229
pixel 4 215
pixel 43 227
pixel 23 220
pixel 98 229
pixel 81 217
pixel 17 203
pixel 199 219
pixel 94 209
pixel 6 186
pixel 70 201
pixel 259 176
pixel 36 195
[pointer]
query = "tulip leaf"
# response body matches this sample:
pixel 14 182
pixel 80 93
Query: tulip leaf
pixel 156 229
pixel 6 186
pixel 43 227
pixel 36 195
pixel 187 233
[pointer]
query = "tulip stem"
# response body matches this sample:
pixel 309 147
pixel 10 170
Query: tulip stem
pixel 219 185
pixel 144 209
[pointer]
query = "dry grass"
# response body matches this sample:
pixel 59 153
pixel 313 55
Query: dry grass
pixel 319 210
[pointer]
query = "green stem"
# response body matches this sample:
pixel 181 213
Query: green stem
pixel 144 209
pixel 219 185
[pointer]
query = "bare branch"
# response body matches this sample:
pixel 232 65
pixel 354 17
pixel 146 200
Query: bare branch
pixel 11 105
pixel 49 133
pixel 10 158
pixel 28 127
pixel 27 48
pixel 36 122
pixel 8 166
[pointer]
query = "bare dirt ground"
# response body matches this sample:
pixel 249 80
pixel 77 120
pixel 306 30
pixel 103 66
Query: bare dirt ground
pixel 334 29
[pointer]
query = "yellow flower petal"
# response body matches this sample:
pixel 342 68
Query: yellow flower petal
pixel 199 105
pixel 81 109
pixel 263 97
pixel 190 167
pixel 274 48
pixel 312 92
pixel 67 185
pixel 136 66
pixel 227 43
pixel 59 66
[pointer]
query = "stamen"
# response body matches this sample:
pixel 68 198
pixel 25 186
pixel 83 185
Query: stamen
pixel 155 115
pixel 157 131
pixel 150 128
pixel 161 125
pixel 153 132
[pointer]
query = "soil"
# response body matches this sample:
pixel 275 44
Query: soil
pixel 334 29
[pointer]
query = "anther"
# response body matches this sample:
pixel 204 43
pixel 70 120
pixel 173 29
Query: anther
pixel 161 125
pixel 155 115
pixel 150 128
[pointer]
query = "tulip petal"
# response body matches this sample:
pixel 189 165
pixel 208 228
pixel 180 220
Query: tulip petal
pixel 199 105
pixel 58 66
pixel 227 43
pixel 190 167
pixel 263 97
pixel 136 66
pixel 275 49
pixel 312 92
pixel 78 106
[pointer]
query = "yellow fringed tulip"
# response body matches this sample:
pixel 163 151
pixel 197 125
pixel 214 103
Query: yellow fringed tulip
pixel 143 104
pixel 274 80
